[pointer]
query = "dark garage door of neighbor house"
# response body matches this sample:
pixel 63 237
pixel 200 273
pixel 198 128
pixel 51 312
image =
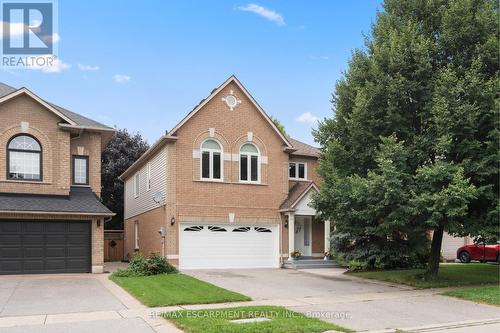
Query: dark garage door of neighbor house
pixel 34 246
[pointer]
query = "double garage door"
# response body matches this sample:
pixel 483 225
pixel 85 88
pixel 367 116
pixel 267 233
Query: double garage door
pixel 44 246
pixel 228 246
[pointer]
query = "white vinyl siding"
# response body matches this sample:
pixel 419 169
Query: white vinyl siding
pixel 156 167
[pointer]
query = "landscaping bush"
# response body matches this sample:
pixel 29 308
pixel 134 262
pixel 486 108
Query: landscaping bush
pixel 142 266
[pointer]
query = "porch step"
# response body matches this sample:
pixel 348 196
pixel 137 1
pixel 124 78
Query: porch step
pixel 310 263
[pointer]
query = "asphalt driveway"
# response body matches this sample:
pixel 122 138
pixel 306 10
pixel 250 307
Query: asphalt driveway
pixel 63 303
pixel 352 302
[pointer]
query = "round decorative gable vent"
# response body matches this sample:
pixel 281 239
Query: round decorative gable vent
pixel 231 100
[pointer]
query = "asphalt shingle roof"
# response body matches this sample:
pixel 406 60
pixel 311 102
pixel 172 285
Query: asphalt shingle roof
pixel 303 149
pixel 77 118
pixel 294 193
pixel 80 200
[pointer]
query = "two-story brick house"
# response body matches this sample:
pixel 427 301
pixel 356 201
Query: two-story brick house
pixel 224 189
pixel 51 218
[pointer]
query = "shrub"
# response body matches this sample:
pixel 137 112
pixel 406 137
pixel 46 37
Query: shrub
pixel 159 265
pixel 142 266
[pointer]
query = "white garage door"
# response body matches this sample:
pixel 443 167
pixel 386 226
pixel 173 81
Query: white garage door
pixel 228 246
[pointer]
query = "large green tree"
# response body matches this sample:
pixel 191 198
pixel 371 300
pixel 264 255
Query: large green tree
pixel 123 150
pixel 426 86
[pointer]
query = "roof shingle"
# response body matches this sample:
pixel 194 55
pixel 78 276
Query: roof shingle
pixel 303 149
pixel 295 193
pixel 77 118
pixel 81 200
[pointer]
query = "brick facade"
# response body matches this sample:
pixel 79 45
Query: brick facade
pixel 190 199
pixel 58 146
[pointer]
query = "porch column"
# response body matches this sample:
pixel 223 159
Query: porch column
pixel 327 235
pixel 291 234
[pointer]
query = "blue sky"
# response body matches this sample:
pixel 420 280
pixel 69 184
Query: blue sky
pixel 142 65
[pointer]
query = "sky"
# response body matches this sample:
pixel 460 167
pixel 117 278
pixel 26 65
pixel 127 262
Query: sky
pixel 143 65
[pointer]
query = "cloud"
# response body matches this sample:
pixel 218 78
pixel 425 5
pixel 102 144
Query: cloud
pixel 57 65
pixel 268 14
pixel 307 117
pixel 88 68
pixel 121 78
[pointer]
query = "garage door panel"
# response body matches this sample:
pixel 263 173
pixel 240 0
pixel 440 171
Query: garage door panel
pixel 77 227
pixel 11 252
pixel 9 266
pixel 32 239
pixel 10 239
pixel 10 227
pixel 209 247
pixel 44 246
pixel 55 252
pixel 32 252
pixel 33 265
pixel 77 251
pixel 77 239
pixel 35 227
pixel 55 239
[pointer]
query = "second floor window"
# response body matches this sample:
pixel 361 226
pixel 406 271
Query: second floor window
pixel 297 170
pixel 24 156
pixel 80 170
pixel 249 163
pixel 211 160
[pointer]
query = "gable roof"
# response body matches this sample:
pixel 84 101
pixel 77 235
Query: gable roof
pixel 296 193
pixel 73 119
pixel 214 92
pixel 303 149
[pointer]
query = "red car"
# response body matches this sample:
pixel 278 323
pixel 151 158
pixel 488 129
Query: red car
pixel 479 252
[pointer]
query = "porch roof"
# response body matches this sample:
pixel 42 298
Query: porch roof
pixel 296 193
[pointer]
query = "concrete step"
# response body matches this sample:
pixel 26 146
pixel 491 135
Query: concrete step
pixel 310 263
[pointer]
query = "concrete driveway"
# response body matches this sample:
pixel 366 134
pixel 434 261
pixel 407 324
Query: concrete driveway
pixel 354 303
pixel 71 303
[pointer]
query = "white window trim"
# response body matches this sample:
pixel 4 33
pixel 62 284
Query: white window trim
pixel 211 161
pixel 137 185
pixel 297 171
pixel 136 235
pixel 148 176
pixel 249 165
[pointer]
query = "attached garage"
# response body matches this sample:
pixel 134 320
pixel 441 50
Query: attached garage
pixel 36 246
pixel 228 246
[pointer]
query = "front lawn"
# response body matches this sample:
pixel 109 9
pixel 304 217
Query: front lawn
pixel 450 275
pixel 488 295
pixel 219 321
pixel 175 289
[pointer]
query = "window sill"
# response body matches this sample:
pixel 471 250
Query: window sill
pixel 298 180
pixel 80 185
pixel 224 182
pixel 13 181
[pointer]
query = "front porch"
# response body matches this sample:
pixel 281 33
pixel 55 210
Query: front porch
pixel 305 234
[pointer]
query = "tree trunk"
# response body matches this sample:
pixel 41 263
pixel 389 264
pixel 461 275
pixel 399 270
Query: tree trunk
pixel 435 255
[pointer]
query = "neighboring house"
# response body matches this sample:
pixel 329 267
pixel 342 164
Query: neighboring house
pixel 452 244
pixel 225 188
pixel 51 218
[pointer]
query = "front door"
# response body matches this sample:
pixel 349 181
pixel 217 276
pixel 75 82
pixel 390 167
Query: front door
pixel 303 237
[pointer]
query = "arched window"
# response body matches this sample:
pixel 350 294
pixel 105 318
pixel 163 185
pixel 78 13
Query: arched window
pixel 24 158
pixel 249 163
pixel 211 160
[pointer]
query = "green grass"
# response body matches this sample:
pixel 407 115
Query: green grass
pixel 488 295
pixel 175 289
pixel 219 321
pixel 450 275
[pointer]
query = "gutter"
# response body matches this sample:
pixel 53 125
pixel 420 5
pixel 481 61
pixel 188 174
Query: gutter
pixel 54 213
